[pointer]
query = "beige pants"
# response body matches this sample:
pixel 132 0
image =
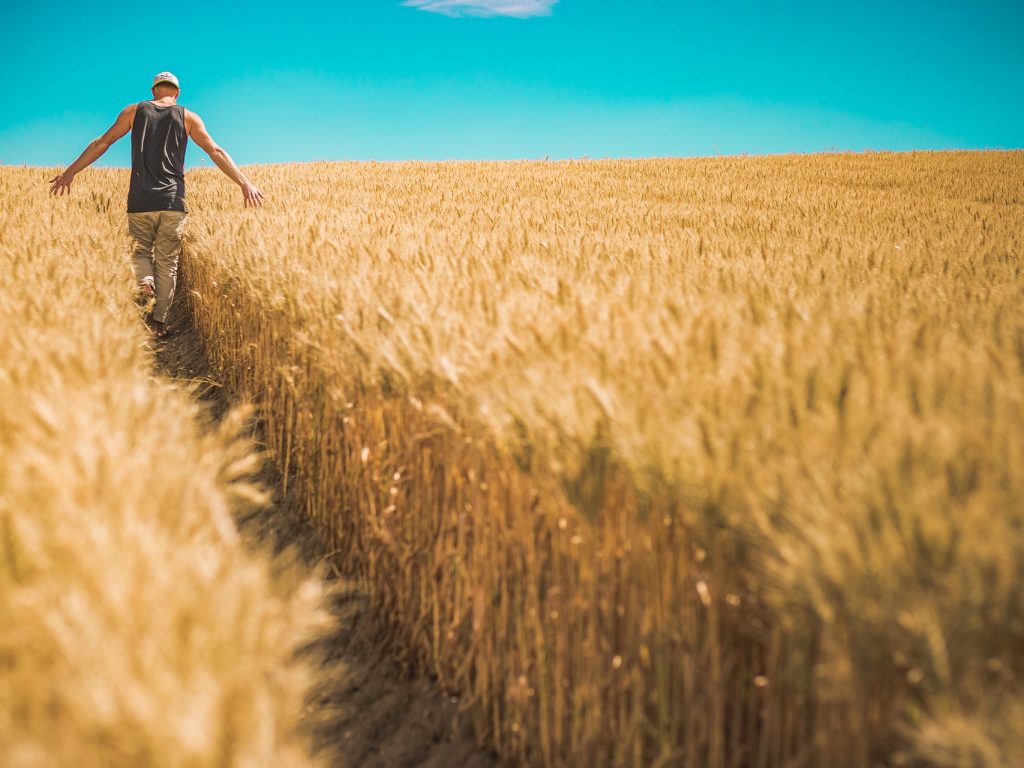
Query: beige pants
pixel 157 236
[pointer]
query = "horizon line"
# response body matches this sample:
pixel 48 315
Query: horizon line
pixel 579 158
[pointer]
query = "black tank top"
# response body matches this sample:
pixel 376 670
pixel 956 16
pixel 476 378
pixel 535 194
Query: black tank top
pixel 159 138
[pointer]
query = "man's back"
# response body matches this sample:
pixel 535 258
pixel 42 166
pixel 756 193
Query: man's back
pixel 159 140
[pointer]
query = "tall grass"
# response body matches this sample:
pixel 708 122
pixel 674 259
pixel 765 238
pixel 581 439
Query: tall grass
pixel 671 462
pixel 135 628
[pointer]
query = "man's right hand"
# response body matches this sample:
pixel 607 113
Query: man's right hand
pixel 252 196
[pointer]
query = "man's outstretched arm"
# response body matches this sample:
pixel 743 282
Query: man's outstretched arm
pixel 197 130
pixel 61 183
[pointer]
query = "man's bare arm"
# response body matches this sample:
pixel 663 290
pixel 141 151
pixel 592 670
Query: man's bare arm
pixel 61 183
pixel 197 130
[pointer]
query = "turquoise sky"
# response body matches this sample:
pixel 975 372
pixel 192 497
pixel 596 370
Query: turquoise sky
pixel 438 79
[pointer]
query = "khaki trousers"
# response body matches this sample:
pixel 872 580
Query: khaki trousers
pixel 157 236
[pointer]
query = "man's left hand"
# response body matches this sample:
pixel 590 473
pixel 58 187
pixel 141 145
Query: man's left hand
pixel 251 196
pixel 61 184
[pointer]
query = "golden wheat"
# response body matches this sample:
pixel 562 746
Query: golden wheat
pixel 671 462
pixel 679 462
pixel 135 628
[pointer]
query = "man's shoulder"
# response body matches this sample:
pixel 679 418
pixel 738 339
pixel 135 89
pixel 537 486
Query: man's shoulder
pixel 191 118
pixel 127 115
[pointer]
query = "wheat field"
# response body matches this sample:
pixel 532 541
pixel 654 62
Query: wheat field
pixel 670 462
pixel 135 627
pixel 710 462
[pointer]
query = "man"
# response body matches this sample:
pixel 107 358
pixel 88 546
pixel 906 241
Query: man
pixel 156 195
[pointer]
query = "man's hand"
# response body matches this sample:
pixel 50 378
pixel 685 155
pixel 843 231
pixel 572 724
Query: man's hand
pixel 252 196
pixel 61 184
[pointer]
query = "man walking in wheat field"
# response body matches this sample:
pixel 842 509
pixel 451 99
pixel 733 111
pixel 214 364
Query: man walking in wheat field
pixel 157 211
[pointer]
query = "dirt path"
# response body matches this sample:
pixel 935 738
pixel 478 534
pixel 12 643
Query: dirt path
pixel 365 710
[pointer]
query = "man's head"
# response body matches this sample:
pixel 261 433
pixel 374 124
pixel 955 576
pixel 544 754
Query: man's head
pixel 165 84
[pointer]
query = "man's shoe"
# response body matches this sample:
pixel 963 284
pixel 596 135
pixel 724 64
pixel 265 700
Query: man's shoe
pixel 160 330
pixel 145 294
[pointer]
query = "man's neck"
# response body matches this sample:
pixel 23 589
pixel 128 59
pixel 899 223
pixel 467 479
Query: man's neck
pixel 165 101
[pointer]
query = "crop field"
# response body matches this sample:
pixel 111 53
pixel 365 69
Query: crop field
pixel 135 629
pixel 711 462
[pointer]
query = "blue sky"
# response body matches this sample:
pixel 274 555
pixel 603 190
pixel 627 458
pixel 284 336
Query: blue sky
pixel 439 79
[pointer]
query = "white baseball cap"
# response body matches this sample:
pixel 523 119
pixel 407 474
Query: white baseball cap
pixel 166 77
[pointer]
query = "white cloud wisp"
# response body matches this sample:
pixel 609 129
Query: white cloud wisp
pixel 520 9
